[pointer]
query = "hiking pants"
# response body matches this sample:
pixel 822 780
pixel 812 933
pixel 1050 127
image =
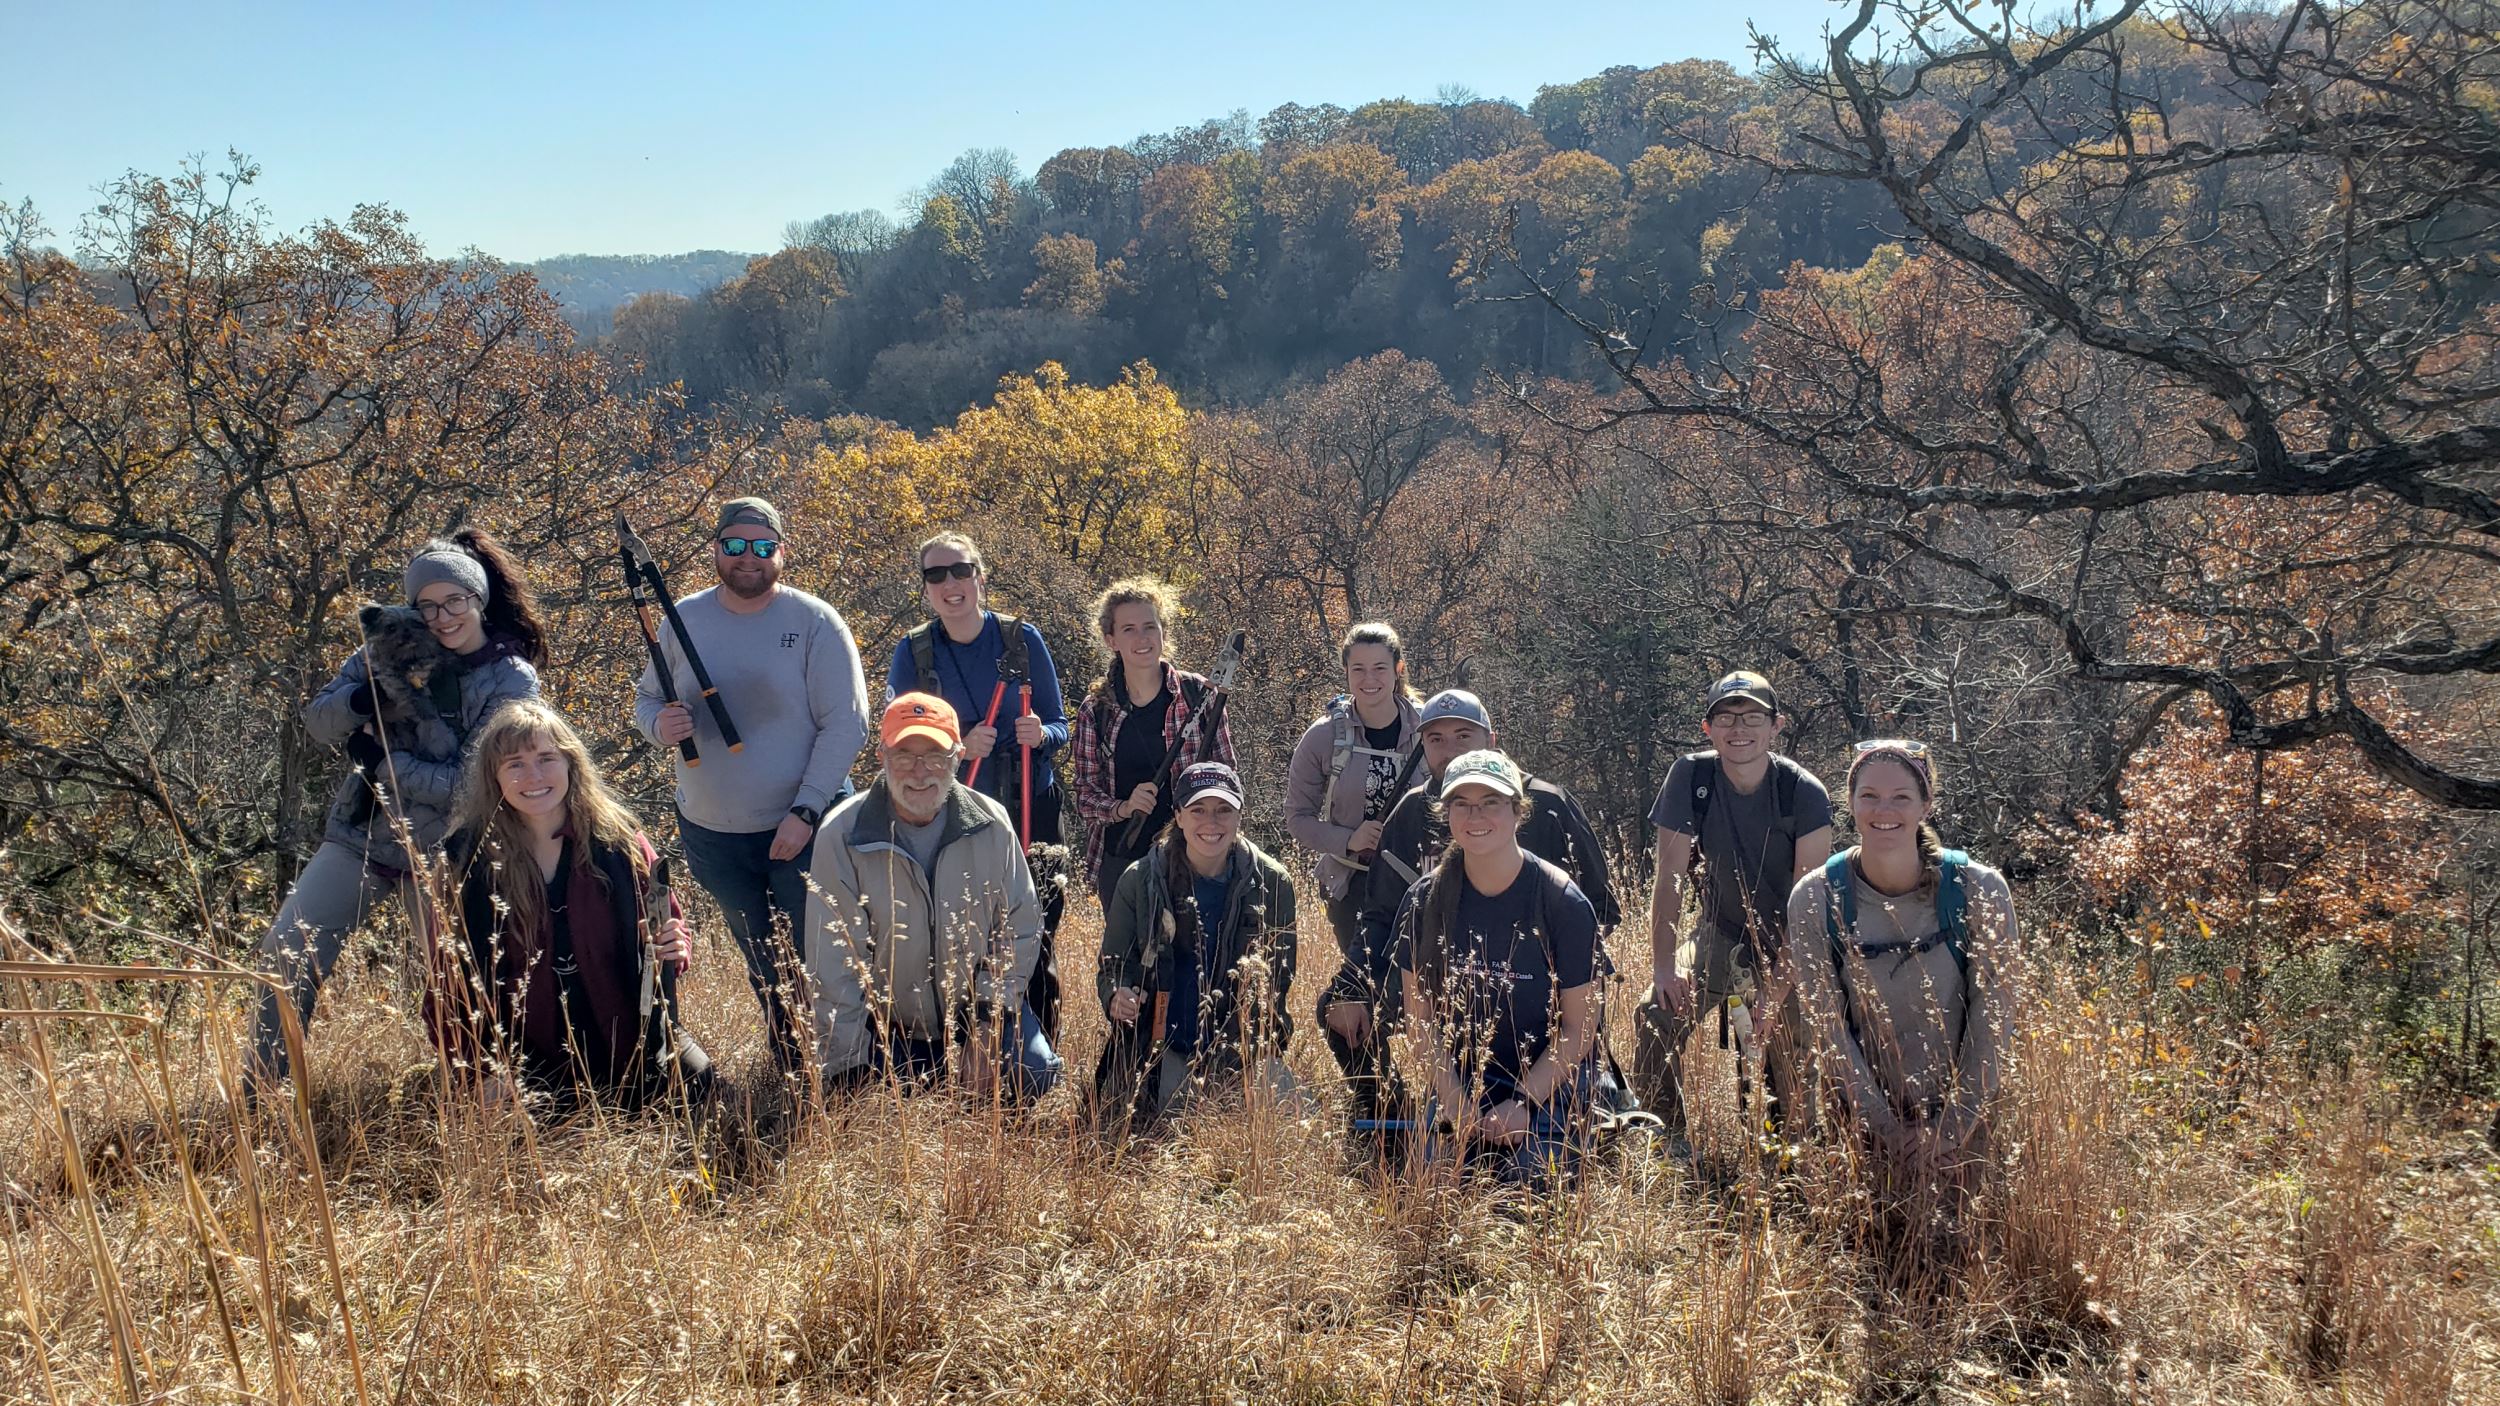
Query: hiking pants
pixel 1658 1039
pixel 739 872
pixel 333 897
pixel 1371 1090
pixel 1028 1067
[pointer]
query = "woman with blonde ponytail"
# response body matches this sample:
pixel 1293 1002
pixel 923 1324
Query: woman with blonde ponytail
pixel 1904 955
pixel 558 950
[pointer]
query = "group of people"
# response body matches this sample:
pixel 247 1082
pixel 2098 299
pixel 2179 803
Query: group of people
pixel 907 929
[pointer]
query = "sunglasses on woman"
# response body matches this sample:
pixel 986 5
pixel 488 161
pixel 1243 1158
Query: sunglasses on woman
pixel 959 570
pixel 1893 744
pixel 763 547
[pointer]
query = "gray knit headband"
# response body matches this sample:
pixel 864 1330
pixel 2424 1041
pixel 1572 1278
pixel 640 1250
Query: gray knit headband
pixel 439 560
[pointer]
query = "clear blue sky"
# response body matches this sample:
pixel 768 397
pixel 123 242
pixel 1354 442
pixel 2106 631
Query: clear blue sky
pixel 528 130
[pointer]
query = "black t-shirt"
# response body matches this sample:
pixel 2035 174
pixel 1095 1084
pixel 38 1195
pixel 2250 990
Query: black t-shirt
pixel 1502 983
pixel 1136 754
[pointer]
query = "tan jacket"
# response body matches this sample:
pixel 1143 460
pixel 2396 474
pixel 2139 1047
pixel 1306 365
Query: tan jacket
pixel 1323 817
pixel 1904 1039
pixel 884 938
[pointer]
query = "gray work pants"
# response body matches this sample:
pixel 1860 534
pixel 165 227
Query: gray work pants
pixel 333 897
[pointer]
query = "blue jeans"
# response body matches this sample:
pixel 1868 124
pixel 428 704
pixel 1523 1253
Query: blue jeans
pixel 739 872
pixel 1549 1157
pixel 1028 1067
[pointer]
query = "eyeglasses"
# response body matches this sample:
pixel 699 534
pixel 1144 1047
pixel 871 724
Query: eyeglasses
pixel 430 611
pixel 919 761
pixel 1490 805
pixel 1751 720
pixel 960 570
pixel 1893 744
pixel 763 547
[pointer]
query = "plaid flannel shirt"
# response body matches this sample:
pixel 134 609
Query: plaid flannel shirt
pixel 1098 731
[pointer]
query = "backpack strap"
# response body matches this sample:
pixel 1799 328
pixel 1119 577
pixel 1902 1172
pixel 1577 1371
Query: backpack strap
pixel 1953 907
pixel 1705 786
pixel 1341 743
pixel 1784 792
pixel 1015 656
pixel 923 639
pixel 1840 907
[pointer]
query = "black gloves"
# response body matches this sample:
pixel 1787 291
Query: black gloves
pixel 365 750
pixel 361 699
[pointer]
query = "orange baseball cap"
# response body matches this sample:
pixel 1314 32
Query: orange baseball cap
pixel 920 715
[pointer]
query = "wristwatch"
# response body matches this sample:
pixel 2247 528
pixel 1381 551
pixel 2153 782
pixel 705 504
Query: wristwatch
pixel 810 814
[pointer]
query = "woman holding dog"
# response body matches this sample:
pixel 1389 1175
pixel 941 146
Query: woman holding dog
pixel 402 708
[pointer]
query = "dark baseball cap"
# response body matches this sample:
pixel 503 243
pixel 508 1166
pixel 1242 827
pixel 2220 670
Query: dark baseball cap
pixel 748 512
pixel 1206 779
pixel 1743 686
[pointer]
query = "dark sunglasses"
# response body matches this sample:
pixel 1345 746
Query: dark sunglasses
pixel 960 570
pixel 737 547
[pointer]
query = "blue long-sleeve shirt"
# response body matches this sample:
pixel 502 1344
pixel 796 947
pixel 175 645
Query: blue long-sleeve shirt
pixel 965 675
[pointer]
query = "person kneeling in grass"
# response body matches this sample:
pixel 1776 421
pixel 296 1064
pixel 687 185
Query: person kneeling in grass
pixel 556 968
pixel 1904 954
pixel 1197 954
pixel 1497 951
pixel 923 927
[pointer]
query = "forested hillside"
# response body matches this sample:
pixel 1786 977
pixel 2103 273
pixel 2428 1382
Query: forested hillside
pixel 593 286
pixel 1237 253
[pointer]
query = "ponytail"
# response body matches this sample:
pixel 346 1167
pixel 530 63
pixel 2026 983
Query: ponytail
pixel 511 616
pixel 1930 860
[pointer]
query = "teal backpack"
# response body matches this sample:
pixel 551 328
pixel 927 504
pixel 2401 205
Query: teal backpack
pixel 1840 914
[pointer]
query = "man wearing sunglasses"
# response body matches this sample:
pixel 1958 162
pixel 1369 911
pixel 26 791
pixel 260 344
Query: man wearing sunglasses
pixel 1756 822
pixel 789 675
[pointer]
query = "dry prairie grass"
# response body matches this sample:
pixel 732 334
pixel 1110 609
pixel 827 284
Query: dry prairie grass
pixel 2134 1249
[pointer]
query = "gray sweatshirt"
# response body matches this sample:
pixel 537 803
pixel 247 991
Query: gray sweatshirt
pixel 789 675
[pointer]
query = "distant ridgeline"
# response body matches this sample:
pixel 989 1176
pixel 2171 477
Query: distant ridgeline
pixel 593 286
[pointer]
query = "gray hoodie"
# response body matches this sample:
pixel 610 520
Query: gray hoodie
pixel 426 776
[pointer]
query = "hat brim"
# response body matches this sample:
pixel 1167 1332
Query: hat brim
pixel 1219 792
pixel 1498 785
pixel 1742 695
pixel 931 731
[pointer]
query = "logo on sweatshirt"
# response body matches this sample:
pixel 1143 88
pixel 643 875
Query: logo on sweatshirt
pixel 790 640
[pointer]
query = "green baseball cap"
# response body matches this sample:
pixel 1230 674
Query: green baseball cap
pixel 1484 767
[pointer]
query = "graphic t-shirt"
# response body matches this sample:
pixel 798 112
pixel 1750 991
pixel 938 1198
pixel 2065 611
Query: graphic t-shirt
pixel 1377 754
pixel 1503 982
